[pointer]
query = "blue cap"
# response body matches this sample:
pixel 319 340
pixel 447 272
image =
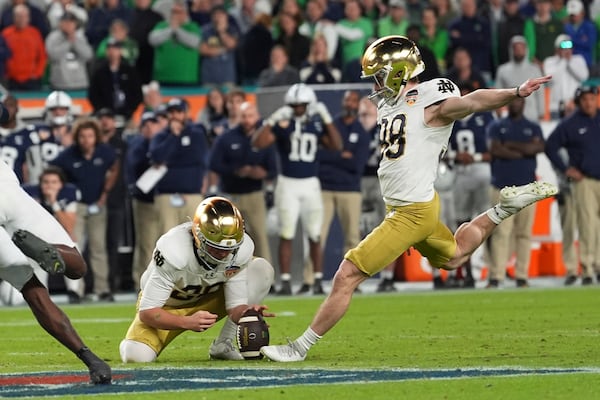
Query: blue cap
pixel 177 104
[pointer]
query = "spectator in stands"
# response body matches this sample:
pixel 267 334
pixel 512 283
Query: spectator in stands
pixel 297 46
pixel 446 13
pixel 472 33
pixel 582 31
pixel 114 84
pixel 214 115
pixel 176 41
pixel 233 102
pixel 317 68
pixel 69 53
pixel 280 72
pixel 217 47
pixel 183 149
pixel 578 135
pixel 26 66
pixel 518 69
pixel 568 72
pixel 144 214
pixel 254 50
pixel 413 32
pixel 463 70
pixel 434 37
pixel 540 31
pixel 246 12
pixel 101 18
pixel 354 30
pixel 152 96
pixel 143 20
pixel 37 17
pixel 119 31
pixel 316 23
pixel 57 8
pixel 5 54
pixel 511 24
pixel 395 21
pixel 244 172
pixel 514 143
pixel 93 167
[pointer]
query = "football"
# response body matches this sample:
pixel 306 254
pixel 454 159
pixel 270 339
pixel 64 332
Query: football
pixel 252 334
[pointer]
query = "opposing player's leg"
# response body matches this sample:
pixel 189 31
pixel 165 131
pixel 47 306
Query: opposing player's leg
pixel 259 276
pixel 57 324
pixel 513 199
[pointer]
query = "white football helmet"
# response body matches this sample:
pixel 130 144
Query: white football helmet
pixel 300 93
pixel 56 104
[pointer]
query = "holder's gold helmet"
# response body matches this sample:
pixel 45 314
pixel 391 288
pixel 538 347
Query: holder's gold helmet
pixel 391 61
pixel 219 224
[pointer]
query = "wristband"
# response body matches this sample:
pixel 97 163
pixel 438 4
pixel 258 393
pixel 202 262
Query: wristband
pixel 56 207
pixel 477 157
pixel 517 92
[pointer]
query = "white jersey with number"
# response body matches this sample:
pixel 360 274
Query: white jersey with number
pixel 177 278
pixel 411 149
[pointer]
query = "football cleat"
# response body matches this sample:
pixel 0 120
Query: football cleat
pixel 46 255
pixel 224 350
pixel 284 353
pixel 515 198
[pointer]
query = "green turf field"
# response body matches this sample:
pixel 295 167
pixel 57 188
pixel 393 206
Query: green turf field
pixel 425 330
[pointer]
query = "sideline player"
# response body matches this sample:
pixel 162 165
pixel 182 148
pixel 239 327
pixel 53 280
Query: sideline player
pixel 19 211
pixel 416 121
pixel 201 272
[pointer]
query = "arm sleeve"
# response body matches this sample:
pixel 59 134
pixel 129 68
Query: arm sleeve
pixel 159 36
pixel 188 39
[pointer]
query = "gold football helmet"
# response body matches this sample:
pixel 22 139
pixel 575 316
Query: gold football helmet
pixel 218 229
pixel 391 61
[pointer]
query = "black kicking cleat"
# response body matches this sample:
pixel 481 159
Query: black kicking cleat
pixel 46 255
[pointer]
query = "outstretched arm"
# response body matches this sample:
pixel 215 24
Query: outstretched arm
pixel 482 100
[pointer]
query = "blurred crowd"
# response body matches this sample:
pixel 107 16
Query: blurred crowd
pixel 123 53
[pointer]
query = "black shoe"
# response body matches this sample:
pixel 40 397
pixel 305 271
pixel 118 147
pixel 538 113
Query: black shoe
pixel 317 288
pixel 469 283
pixel 588 280
pixel 46 255
pixel 73 297
pixel 386 286
pixel 106 296
pixel 522 283
pixel 493 284
pixel 438 283
pixel 286 289
pixel 571 279
pixel 452 283
pixel 100 372
pixel 272 290
pixel 305 288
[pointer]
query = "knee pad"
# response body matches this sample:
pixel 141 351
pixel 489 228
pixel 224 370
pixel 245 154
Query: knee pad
pixel 136 352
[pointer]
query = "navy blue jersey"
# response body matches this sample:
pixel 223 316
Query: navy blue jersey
pixel 298 147
pixel 579 134
pixel 231 151
pixel 13 151
pixel 67 196
pixel 43 148
pixel 87 175
pixel 469 134
pixel 506 172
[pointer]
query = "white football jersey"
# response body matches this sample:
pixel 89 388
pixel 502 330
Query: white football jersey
pixel 411 149
pixel 7 173
pixel 176 277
